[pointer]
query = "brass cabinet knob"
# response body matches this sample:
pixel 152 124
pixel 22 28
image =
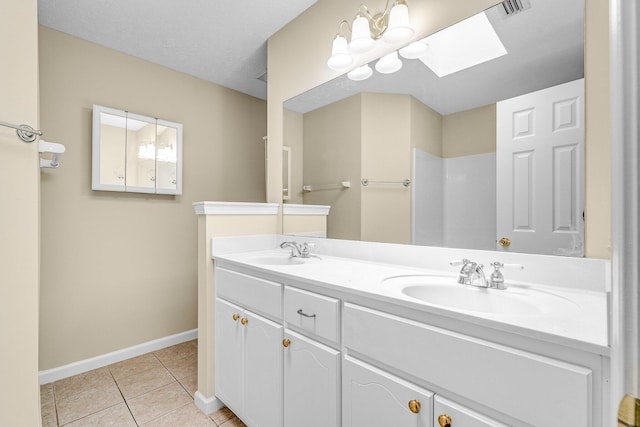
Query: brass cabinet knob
pixel 236 316
pixel 244 320
pixel 505 241
pixel 444 420
pixel 286 342
pixel 414 406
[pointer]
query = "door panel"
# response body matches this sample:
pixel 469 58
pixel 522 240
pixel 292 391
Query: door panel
pixel 228 354
pixel 311 386
pixel 540 171
pixel 263 372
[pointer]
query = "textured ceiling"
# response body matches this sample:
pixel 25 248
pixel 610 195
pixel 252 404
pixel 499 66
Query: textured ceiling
pixel 223 42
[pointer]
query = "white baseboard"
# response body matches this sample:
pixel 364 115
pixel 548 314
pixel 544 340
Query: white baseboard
pixel 208 405
pixel 81 366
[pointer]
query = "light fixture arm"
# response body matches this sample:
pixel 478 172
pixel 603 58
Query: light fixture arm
pixel 339 32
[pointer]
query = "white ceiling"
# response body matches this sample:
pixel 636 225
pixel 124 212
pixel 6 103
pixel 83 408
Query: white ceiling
pixel 223 42
pixel 545 47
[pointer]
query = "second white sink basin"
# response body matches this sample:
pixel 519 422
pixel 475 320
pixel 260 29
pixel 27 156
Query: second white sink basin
pixel 514 301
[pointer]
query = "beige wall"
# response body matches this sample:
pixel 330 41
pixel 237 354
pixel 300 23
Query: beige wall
pixel 426 128
pixel 372 133
pixel 19 217
pixel 597 201
pixel 469 132
pixel 332 153
pixel 293 138
pixel 120 269
pixel 297 63
pixel 386 156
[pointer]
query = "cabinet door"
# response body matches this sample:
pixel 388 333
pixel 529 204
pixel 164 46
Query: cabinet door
pixel 372 398
pixel 459 415
pixel 228 354
pixel 262 372
pixel 311 386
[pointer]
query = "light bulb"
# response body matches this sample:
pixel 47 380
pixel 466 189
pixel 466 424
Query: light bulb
pixel 361 40
pixel 414 50
pixel 399 29
pixel 340 56
pixel 360 73
pixel 389 63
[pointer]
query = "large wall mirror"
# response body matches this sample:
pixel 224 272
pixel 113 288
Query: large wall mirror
pixel 442 132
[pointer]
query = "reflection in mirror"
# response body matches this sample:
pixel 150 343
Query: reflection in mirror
pixel 141 146
pixel 166 157
pixel 112 149
pixel 286 173
pixel 439 131
pixel 135 153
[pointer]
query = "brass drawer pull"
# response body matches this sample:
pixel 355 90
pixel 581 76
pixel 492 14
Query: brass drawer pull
pixel 444 420
pixel 414 406
pixel 286 342
pixel 244 320
pixel 236 316
pixel 302 313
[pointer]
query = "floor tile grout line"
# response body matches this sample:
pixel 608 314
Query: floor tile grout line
pixel 123 399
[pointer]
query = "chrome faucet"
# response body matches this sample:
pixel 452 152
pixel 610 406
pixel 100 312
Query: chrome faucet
pixel 297 250
pixel 472 273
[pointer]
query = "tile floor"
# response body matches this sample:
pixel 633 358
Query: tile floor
pixel 152 390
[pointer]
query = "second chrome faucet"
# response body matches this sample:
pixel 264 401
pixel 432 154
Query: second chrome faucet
pixel 472 273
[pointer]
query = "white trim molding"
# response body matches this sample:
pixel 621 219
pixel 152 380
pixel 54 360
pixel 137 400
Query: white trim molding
pixel 291 209
pixel 75 368
pixel 207 405
pixel 235 208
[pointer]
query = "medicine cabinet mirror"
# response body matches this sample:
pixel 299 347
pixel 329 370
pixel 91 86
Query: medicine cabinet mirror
pixel 135 153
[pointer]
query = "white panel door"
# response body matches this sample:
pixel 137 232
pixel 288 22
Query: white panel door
pixel 228 354
pixel 375 398
pixel 311 385
pixel 262 372
pixel 540 171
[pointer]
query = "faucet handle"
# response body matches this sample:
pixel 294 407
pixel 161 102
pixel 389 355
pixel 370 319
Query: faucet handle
pixel 497 279
pixel 462 261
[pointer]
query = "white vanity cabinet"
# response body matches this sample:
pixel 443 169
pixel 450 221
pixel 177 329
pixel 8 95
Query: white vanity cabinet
pixel 248 368
pixel 533 389
pixel 373 397
pixel 291 357
pixel 311 369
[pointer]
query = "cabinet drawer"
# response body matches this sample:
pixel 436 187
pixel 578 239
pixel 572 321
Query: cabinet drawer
pixel 258 295
pixel 508 380
pixel 460 416
pixel 375 398
pixel 311 312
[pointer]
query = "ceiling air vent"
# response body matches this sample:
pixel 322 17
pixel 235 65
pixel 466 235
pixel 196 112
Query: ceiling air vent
pixel 512 7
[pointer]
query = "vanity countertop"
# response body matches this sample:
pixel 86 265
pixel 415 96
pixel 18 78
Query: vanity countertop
pixel 584 328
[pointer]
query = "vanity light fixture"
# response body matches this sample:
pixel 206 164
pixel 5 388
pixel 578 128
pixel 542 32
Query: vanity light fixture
pixel 392 26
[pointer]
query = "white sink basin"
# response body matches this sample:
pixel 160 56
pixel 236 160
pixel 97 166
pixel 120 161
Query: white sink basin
pixel 444 291
pixel 281 260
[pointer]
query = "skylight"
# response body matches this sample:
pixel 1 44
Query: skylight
pixel 463 45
